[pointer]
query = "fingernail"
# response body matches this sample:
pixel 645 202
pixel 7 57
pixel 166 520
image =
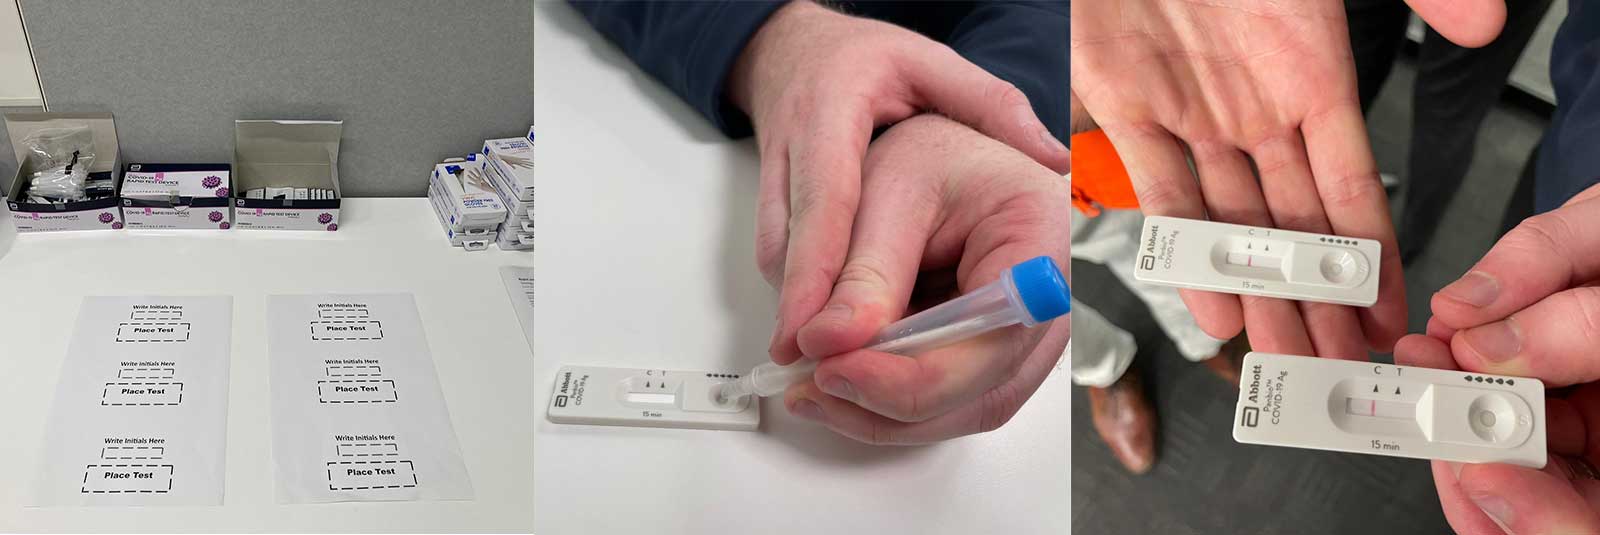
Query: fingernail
pixel 1498 509
pixel 1455 468
pixel 1475 288
pixel 1495 342
pixel 837 313
pixel 807 409
pixel 840 388
pixel 777 333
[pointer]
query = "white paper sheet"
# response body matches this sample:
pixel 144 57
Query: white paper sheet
pixel 357 414
pixel 519 285
pixel 141 409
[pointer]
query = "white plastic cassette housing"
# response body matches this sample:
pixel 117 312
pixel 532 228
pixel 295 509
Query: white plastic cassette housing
pixel 649 398
pixel 1223 257
pixel 1382 409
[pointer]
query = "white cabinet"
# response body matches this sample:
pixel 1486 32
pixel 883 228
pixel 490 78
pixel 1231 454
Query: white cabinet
pixel 19 85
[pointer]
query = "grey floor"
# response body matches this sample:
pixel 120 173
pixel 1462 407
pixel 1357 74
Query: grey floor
pixel 1204 482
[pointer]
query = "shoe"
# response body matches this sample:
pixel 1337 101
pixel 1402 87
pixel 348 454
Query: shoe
pixel 1126 422
pixel 1229 360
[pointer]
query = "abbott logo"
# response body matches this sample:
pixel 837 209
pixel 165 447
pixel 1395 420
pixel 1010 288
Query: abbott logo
pixel 1147 262
pixel 1252 416
pixel 561 401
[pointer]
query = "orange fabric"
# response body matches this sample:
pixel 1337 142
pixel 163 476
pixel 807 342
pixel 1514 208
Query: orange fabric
pixel 1099 179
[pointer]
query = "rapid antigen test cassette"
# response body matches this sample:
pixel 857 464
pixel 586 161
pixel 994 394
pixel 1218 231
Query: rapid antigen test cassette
pixel 1240 259
pixel 1383 409
pixel 649 398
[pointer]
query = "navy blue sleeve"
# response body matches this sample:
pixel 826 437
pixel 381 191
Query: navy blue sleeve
pixel 1569 157
pixel 1025 43
pixel 689 46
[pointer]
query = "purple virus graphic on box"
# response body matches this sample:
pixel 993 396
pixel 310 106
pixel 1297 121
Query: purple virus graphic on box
pixel 106 217
pixel 215 216
pixel 334 226
pixel 117 225
pixel 325 218
pixel 224 225
pixel 223 192
pixel 211 182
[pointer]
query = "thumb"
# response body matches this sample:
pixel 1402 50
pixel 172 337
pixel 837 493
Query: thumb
pixel 957 88
pixel 1556 340
pixel 1469 23
pixel 1525 501
pixel 1543 255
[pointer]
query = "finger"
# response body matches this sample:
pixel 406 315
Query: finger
pixel 1469 23
pixel 963 91
pixel 897 215
pixel 1274 326
pixel 988 412
pixel 824 189
pixel 1229 189
pixel 1555 340
pixel 1356 206
pixel 1335 330
pixel 1423 352
pixel 935 382
pixel 1439 330
pixel 1463 515
pixel 1544 254
pixel 1080 120
pixel 1164 186
pixel 1292 203
pixel 772 213
pixel 1592 193
pixel 916 389
pixel 1523 500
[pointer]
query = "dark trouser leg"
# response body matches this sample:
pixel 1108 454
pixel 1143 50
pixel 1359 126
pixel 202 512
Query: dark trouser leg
pixel 1456 87
pixel 1376 28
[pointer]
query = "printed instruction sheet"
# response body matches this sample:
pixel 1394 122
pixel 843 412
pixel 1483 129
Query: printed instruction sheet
pixel 357 414
pixel 141 409
pixel 519 286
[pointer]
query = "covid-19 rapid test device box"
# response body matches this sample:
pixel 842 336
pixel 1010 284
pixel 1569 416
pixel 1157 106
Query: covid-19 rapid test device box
pixel 177 196
pixel 287 155
pixel 95 212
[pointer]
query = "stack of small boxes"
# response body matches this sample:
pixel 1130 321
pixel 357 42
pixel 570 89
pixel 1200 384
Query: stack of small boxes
pixel 509 165
pixel 487 197
pixel 468 207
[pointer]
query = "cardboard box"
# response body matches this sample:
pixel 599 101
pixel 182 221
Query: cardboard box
pixel 286 154
pixel 514 240
pixel 477 240
pixel 511 162
pixel 468 197
pixel 177 196
pixel 95 214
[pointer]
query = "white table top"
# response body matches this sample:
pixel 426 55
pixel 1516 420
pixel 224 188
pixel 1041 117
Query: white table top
pixel 383 246
pixel 646 259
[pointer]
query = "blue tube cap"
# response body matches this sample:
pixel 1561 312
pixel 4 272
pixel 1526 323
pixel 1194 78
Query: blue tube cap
pixel 1042 288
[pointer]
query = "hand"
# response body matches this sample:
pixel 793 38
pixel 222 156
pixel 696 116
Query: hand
pixel 1529 308
pixel 944 210
pixel 815 83
pixel 1263 82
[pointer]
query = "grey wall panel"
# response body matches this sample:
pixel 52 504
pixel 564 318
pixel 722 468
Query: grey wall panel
pixel 415 80
pixel 8 161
